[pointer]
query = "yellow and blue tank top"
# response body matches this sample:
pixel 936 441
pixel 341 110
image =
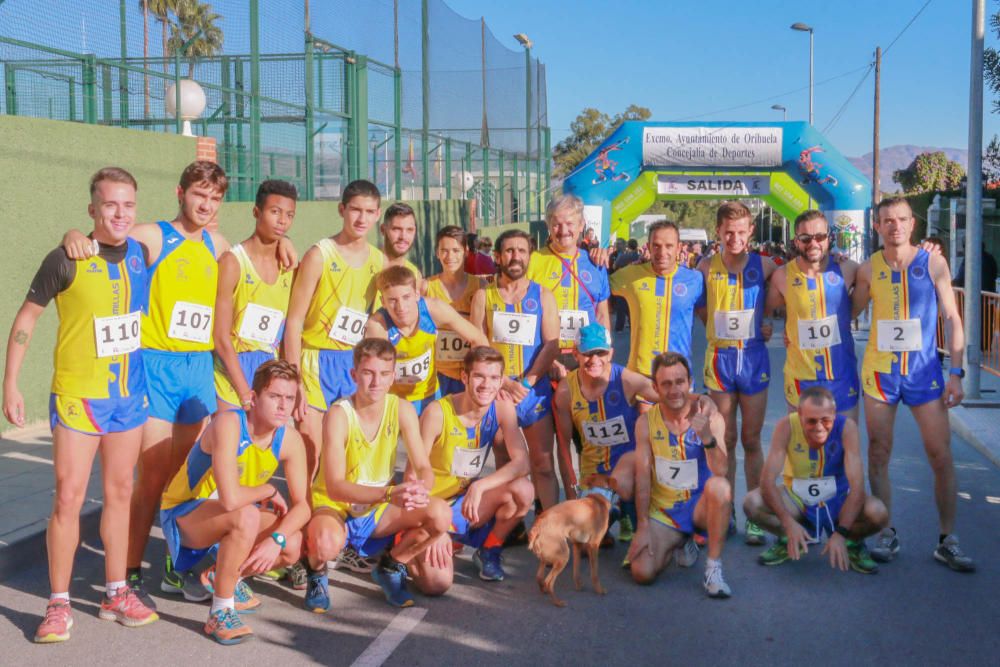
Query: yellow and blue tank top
pixel 100 311
pixel 463 305
pixel 517 358
pixel 474 443
pixel 903 295
pixel 667 448
pixel 804 462
pixel 343 298
pixel 416 378
pixel 367 462
pixel 606 426
pixel 815 299
pixel 196 481
pixel 259 308
pixel 574 281
pixel 742 292
pixel 182 288
pixel 662 309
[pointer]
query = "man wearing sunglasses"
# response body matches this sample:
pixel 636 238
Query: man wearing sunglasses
pixel 815 292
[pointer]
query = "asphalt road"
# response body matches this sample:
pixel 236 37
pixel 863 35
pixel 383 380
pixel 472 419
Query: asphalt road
pixel 914 611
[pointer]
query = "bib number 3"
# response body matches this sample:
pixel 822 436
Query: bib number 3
pixel 734 324
pixel 191 322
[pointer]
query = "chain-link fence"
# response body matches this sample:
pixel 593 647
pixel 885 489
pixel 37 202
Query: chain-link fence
pixel 407 93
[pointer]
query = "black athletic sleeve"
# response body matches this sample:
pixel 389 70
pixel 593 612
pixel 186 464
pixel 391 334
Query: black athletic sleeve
pixel 53 276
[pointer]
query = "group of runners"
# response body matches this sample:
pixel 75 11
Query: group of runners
pixel 185 361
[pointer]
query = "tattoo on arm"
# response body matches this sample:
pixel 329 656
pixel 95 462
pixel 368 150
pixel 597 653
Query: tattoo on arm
pixel 20 336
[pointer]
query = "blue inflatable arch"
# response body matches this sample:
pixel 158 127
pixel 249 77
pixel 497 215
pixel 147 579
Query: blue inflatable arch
pixel 789 165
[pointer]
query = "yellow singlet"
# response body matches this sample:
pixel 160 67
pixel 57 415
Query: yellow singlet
pixel 416 378
pixel 259 307
pixel 518 358
pixel 182 289
pixel 451 348
pixel 452 474
pixel 342 301
pixel 368 462
pixel 669 447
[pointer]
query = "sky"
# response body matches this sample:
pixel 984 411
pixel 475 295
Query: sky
pixel 718 60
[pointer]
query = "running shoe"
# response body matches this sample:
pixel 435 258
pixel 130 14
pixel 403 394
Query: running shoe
pixel 297 576
pixel 626 563
pixel 246 601
pixel 393 582
pixel 715 585
pixel 134 580
pixel 949 553
pixel 488 562
pixel 226 627
pixel 317 592
pixel 777 554
pixel 859 558
pixel 625 529
pixel 351 560
pixel 754 535
pixel 126 608
pixel 187 584
pixel 886 546
pixel 277 574
pixel 687 555
pixel 56 625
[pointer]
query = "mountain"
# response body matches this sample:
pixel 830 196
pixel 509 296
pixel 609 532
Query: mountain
pixel 892 158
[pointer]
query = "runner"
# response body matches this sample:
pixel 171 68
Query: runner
pixel 815 293
pixel 98 399
pixel 680 483
pixel 252 297
pixel 332 295
pixel 354 500
pixel 410 322
pixel 661 299
pixel 221 497
pixel 399 230
pixel 817 452
pixel 908 289
pixel 737 366
pixel 458 431
pixel 521 321
pixel 455 287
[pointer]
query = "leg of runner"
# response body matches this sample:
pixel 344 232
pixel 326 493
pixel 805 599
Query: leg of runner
pixel 712 514
pixel 326 535
pixel 662 542
pixel 753 409
pixel 880 418
pixel 434 579
pixel 73 458
pixel 624 476
pixel 119 452
pixel 932 419
pixel 311 430
pixel 541 438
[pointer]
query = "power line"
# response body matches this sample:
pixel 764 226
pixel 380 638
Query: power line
pixel 906 27
pixel 843 107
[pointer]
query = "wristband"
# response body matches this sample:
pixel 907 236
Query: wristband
pixel 525 383
pixel 388 493
pixel 843 532
pixel 710 444
pixel 960 372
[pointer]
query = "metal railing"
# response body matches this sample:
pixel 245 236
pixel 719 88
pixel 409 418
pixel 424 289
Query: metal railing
pixel 989 340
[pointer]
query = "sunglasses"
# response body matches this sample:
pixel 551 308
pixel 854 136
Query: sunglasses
pixel 596 353
pixel 804 239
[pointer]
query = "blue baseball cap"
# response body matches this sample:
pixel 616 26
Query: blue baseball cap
pixel 594 337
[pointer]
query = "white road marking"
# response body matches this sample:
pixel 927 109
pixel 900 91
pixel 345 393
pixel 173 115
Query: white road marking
pixel 393 635
pixel 21 456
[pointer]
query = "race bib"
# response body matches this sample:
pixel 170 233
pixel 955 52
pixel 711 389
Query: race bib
pixel 818 334
pixel 734 324
pixel 261 324
pixel 514 328
pixel 678 475
pixel 118 334
pixel 899 336
pixel 607 433
pixel 361 508
pixel 814 490
pixel 451 346
pixel 348 326
pixel 570 323
pixel 468 463
pixel 191 322
pixel 414 370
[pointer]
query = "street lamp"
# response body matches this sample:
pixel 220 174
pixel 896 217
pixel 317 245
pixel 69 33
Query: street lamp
pixel 526 43
pixel 783 110
pixel 802 27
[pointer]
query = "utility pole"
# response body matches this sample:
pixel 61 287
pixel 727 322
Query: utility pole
pixel 974 209
pixel 876 181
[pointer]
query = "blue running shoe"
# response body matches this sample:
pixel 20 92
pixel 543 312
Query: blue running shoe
pixel 317 593
pixel 488 562
pixel 392 579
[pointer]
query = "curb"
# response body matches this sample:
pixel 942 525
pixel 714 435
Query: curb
pixel 30 550
pixel 964 431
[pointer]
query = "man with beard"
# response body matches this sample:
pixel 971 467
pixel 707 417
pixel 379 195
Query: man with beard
pixel 399 229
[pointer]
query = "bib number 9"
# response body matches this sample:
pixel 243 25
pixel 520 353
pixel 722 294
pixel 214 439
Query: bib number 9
pixel 191 322
pixel 117 335
pixel 514 328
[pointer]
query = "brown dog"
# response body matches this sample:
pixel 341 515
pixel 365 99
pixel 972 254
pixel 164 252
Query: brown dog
pixel 583 522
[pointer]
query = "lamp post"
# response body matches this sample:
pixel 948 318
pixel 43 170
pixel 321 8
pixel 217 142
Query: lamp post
pixel 783 110
pixel 802 27
pixel 526 43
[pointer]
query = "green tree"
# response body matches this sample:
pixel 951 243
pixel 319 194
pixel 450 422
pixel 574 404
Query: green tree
pixel 929 172
pixel 991 163
pixel 991 64
pixel 198 23
pixel 589 129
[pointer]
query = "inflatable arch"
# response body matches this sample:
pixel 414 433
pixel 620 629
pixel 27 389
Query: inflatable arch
pixel 785 164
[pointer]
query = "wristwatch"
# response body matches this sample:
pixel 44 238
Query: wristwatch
pixel 710 444
pixel 279 538
pixel 960 372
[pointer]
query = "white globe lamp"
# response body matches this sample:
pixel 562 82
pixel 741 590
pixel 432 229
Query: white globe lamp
pixel 464 180
pixel 193 103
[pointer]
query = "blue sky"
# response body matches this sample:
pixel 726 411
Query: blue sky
pixel 686 59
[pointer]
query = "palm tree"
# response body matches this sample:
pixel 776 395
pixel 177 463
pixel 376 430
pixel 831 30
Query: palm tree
pixel 144 4
pixel 197 24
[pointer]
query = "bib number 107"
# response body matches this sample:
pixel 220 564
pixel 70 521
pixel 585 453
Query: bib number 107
pixel 191 322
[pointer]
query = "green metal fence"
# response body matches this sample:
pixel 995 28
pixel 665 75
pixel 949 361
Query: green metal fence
pixel 448 113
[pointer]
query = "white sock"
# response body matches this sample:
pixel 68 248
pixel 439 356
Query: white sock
pixel 112 587
pixel 711 563
pixel 222 603
pixel 59 596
